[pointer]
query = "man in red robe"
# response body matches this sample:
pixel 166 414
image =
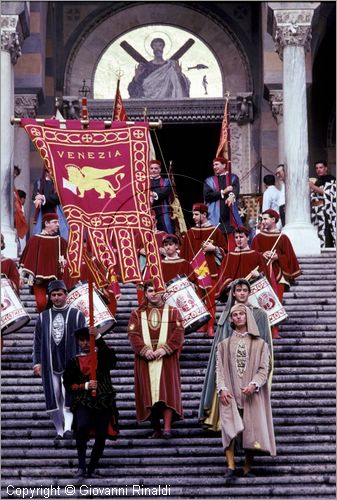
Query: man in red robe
pixel 43 259
pixel 9 269
pixel 173 265
pixel 210 240
pixel 156 336
pixel 243 262
pixel 278 253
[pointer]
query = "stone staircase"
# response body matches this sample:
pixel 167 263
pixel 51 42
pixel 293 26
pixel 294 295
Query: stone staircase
pixel 191 463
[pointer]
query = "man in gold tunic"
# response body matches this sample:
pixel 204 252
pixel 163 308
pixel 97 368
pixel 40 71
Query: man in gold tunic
pixel 156 335
pixel 241 377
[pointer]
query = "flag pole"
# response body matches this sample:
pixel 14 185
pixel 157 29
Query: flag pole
pixel 85 122
pixel 153 125
pixel 273 250
pixel 209 237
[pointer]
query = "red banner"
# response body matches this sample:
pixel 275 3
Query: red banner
pixel 119 113
pixel 224 147
pixel 102 179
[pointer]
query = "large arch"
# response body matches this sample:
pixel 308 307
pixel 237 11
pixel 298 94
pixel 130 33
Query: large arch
pixel 108 26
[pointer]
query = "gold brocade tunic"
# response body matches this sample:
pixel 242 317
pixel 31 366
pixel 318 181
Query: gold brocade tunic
pixel 239 350
pixel 144 333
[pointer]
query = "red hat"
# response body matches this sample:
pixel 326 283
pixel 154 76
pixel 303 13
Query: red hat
pixel 241 229
pixel 272 213
pixel 220 159
pixel 50 216
pixel 155 162
pixel 200 207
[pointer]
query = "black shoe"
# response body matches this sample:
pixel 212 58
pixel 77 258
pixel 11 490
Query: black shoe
pixel 80 474
pixel 249 474
pixel 155 435
pixel 167 434
pixel 94 474
pixel 58 437
pixel 229 474
pixel 68 435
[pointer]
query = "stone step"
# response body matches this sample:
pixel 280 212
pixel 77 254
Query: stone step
pixel 303 401
pixel 315 433
pixel 214 468
pixel 175 446
pixel 146 489
pixel 35 420
pixel 189 397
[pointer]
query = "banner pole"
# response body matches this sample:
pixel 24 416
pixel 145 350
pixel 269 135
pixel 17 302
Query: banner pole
pixel 17 121
pixel 92 331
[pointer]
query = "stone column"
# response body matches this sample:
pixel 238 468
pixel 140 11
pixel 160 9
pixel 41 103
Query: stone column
pixel 10 51
pixel 292 35
pixel 276 104
pixel 25 107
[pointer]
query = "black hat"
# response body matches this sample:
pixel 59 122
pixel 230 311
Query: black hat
pixel 56 285
pixel 82 333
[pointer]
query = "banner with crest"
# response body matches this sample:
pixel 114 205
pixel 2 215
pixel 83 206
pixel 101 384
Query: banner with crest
pixel 102 179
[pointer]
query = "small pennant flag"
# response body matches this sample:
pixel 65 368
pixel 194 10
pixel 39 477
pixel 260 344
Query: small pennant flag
pixel 202 271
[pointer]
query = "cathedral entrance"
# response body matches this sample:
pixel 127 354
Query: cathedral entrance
pixel 191 148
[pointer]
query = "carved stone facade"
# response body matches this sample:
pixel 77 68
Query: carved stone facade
pixel 241 156
pixel 11 39
pixel 293 27
pixel 276 105
pixel 26 105
pixel 185 111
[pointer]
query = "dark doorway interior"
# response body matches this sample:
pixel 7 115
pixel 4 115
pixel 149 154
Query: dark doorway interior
pixel 324 96
pixel 192 148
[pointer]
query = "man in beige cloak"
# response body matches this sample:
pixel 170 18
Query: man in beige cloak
pixel 241 377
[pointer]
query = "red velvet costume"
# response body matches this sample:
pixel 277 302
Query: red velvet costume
pixel 8 267
pixel 170 385
pixel 191 245
pixel 285 268
pixel 193 240
pixel 238 265
pixel 172 267
pixel 40 259
pixel 287 263
pixel 20 221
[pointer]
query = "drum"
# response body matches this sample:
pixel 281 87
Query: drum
pixel 79 297
pixel 13 315
pixel 262 295
pixel 181 294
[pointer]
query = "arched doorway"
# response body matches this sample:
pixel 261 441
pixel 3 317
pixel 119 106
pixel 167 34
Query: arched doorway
pixel 191 124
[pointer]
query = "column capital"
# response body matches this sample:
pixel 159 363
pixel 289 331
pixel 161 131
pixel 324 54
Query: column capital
pixel 11 36
pixel 26 105
pixel 291 24
pixel 276 104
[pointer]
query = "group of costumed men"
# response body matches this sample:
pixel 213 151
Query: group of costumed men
pixel 235 396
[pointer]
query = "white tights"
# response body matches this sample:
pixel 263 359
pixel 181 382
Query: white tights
pixel 63 417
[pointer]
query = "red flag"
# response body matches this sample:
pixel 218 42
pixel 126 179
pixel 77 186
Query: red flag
pixel 224 151
pixel 119 113
pixel 202 271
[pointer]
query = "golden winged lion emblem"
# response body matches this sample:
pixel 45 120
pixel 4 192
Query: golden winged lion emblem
pixel 87 178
